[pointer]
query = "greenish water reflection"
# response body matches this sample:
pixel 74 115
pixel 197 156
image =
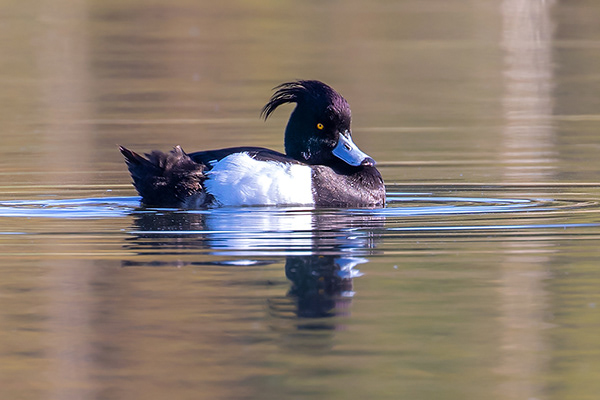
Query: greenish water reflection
pixel 480 277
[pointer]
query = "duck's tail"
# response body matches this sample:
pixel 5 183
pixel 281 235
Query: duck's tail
pixel 170 179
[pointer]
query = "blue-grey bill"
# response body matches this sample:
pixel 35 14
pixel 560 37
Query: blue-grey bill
pixel 348 152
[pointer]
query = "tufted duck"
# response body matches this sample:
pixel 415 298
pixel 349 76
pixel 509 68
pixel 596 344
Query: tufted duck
pixel 321 166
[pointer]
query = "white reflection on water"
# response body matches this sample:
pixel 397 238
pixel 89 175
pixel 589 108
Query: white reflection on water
pixel 272 232
pixel 530 138
pixel 528 135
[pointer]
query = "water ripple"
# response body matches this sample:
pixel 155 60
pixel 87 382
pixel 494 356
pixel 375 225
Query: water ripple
pixel 398 205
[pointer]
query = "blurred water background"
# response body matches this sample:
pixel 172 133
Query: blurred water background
pixel 478 280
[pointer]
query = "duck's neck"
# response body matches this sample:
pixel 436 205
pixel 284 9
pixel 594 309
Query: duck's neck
pixel 294 140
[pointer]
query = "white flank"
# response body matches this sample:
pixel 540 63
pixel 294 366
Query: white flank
pixel 240 180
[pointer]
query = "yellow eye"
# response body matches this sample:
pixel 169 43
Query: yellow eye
pixel 320 126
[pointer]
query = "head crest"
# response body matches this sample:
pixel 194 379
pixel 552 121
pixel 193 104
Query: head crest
pixel 315 93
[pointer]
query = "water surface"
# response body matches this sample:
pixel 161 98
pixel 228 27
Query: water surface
pixel 478 280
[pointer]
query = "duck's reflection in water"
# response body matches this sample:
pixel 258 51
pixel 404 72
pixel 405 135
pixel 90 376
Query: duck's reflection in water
pixel 321 285
pixel 321 250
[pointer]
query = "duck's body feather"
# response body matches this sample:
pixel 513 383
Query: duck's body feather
pixel 209 157
pixel 242 180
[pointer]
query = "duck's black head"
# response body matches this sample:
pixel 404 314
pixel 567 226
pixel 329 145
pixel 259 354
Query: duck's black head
pixel 318 131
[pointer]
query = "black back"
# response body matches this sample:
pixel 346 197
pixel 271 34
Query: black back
pixel 209 157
